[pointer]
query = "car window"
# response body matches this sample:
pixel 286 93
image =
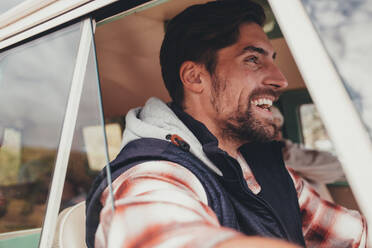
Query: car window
pixel 7 5
pixel 35 80
pixel 344 28
pixel 314 134
pixel 95 144
pixel 88 152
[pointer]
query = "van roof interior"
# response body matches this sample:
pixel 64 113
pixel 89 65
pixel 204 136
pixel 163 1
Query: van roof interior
pixel 128 57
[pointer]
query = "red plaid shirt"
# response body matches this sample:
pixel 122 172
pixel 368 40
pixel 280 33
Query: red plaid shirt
pixel 162 204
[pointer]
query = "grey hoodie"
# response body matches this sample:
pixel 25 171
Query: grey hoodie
pixel 157 120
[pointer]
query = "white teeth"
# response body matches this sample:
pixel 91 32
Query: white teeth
pixel 268 102
pixel 262 101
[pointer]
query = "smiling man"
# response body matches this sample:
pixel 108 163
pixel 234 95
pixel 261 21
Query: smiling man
pixel 233 100
pixel 204 171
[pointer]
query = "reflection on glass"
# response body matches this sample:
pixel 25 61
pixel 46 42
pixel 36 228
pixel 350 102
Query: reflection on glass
pixel 80 173
pixel 35 80
pixel 95 145
pixel 345 29
pixel 10 157
pixel 88 152
pixel 7 5
pixel 314 133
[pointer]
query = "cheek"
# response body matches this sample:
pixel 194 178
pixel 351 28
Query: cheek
pixel 244 87
pixel 236 93
pixel 231 97
pixel 243 99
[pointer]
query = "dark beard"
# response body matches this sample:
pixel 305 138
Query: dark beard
pixel 243 126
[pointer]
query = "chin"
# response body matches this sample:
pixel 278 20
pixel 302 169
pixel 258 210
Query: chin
pixel 249 127
pixel 262 132
pixel 271 132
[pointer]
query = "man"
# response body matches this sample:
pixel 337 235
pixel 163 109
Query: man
pixel 203 171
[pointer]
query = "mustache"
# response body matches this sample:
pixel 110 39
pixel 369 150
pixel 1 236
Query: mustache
pixel 265 91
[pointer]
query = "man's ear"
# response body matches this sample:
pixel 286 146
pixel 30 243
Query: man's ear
pixel 190 75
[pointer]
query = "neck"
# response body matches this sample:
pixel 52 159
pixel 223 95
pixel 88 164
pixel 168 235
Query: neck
pixel 227 144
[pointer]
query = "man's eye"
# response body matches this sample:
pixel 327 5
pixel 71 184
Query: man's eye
pixel 251 59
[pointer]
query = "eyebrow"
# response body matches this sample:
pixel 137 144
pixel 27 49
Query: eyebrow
pixel 257 50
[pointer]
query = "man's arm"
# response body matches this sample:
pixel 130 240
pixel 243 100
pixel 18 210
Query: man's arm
pixel 325 224
pixel 316 166
pixel 160 203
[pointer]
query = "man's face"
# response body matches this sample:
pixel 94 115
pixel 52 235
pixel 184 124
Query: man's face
pixel 244 85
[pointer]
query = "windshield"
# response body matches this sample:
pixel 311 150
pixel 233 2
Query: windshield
pixel 345 29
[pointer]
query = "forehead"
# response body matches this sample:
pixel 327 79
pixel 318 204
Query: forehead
pixel 251 34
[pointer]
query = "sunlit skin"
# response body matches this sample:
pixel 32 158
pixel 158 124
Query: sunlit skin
pixel 245 71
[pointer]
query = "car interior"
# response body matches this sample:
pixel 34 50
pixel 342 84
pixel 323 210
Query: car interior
pixel 128 63
pixel 127 50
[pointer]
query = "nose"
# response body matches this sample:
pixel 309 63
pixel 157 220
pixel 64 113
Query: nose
pixel 275 78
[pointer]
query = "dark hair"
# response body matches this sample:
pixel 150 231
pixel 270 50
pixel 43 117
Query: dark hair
pixel 197 33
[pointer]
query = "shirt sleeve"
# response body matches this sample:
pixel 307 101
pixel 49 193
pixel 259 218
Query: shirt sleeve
pixel 316 166
pixel 159 204
pixel 325 224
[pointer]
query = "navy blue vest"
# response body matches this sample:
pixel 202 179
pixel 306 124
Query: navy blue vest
pixel 274 212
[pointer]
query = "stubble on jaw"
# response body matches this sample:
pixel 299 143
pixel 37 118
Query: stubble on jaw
pixel 242 126
pixel 218 87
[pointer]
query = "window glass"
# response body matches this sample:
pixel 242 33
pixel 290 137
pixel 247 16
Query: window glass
pixel 7 5
pixel 313 131
pixel 10 156
pixel 345 29
pixel 95 145
pixel 88 152
pixel 315 137
pixel 35 80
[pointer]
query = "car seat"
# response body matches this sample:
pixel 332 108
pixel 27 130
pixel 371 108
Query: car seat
pixel 70 231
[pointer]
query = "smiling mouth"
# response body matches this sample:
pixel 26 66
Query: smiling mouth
pixel 263 102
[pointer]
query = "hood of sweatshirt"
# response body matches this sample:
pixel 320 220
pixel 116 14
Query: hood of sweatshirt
pixel 157 120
